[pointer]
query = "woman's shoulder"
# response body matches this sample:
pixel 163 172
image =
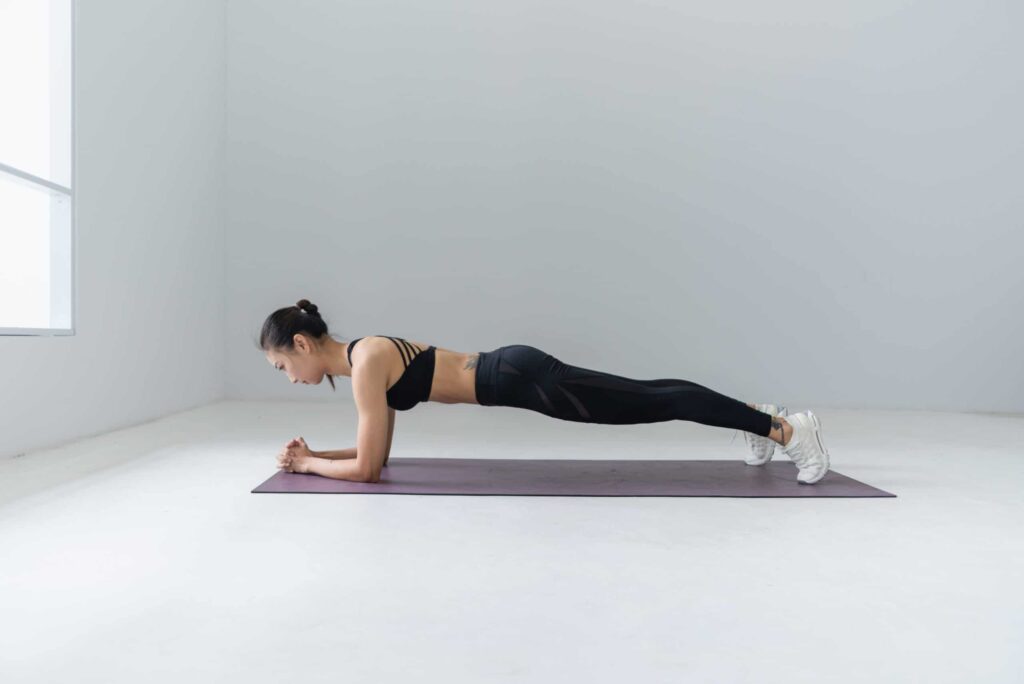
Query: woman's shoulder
pixel 369 359
pixel 368 345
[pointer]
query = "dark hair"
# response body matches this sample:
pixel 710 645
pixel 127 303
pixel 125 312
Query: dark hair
pixel 281 327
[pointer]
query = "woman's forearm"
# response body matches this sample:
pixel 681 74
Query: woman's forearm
pixel 336 454
pixel 337 469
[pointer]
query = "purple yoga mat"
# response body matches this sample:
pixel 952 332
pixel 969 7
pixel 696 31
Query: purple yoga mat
pixel 565 477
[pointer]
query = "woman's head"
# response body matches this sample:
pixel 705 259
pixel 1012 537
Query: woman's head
pixel 294 340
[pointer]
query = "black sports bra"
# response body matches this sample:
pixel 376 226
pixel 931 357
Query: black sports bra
pixel 417 379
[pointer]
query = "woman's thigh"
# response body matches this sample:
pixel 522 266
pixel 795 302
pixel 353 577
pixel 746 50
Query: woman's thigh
pixel 533 379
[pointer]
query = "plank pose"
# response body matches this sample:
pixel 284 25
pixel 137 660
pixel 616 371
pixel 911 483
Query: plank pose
pixel 392 373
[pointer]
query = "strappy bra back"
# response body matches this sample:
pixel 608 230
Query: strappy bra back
pixel 417 378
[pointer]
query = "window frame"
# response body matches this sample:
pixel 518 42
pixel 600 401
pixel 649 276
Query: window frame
pixel 41 184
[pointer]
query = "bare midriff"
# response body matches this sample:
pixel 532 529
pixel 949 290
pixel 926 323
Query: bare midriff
pixel 454 374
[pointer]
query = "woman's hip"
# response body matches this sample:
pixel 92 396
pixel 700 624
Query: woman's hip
pixel 502 372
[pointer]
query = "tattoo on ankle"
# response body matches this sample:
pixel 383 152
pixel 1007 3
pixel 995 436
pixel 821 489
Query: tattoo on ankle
pixel 472 361
pixel 776 425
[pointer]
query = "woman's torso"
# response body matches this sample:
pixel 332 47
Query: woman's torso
pixel 454 376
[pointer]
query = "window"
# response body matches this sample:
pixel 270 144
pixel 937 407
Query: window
pixel 36 167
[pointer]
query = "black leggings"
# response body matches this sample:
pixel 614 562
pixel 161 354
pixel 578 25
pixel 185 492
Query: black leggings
pixel 522 376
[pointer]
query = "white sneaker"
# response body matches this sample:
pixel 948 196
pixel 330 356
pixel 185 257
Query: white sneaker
pixel 762 448
pixel 805 447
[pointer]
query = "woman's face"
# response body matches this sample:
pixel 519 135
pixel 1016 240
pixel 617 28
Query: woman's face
pixel 302 365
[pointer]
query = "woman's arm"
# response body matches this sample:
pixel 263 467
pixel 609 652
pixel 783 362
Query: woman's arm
pixel 336 454
pixel 391 432
pixel 338 470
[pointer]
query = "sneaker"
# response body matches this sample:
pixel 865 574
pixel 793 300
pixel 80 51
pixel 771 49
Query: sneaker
pixel 805 447
pixel 762 448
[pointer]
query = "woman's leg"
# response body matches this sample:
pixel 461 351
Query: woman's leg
pixel 532 379
pixel 781 430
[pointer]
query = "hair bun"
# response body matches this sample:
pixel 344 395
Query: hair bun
pixel 307 306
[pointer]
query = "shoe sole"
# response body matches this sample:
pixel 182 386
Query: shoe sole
pixel 828 459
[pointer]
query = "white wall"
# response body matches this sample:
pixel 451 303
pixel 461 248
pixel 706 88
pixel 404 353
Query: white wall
pixel 815 203
pixel 150 254
pixel 818 205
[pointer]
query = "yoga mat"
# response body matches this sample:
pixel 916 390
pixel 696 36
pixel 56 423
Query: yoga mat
pixel 565 477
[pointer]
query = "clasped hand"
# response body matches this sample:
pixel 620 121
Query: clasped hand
pixel 294 457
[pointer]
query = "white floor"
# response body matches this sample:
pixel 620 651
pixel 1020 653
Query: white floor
pixel 142 556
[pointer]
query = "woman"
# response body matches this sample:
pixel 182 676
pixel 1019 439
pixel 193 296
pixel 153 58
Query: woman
pixel 391 373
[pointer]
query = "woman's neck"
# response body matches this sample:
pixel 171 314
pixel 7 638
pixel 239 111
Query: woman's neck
pixel 337 359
